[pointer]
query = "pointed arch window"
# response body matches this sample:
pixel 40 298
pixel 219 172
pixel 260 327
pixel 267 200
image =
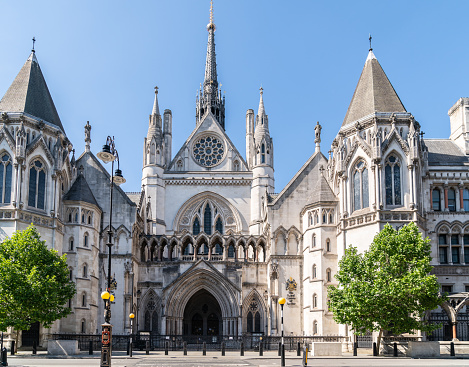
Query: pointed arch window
pixel 219 225
pixel 465 196
pixel 314 240
pixel 452 200
pixel 315 300
pixel 360 186
pixel 151 317
pixel 5 179
pixel 315 328
pixel 196 227
pixel 83 300
pixel 314 272
pixel 231 251
pixel 37 185
pixel 249 322
pixel 392 179
pixel 263 153
pixel 208 220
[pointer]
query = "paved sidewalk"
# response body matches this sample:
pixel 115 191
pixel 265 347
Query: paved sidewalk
pixel 231 359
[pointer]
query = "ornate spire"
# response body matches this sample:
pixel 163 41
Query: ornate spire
pixel 261 111
pixel 156 108
pixel 211 100
pixel 262 121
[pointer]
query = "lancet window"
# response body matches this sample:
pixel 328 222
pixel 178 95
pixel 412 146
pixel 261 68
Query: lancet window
pixel 37 185
pixel 5 179
pixel 392 179
pixel 360 186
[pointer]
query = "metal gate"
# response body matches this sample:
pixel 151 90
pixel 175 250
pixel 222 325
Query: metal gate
pixel 365 341
pixel 445 331
pixel 29 336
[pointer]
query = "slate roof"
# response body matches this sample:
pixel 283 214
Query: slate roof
pixel 322 192
pixel 374 93
pixel 444 152
pixel 80 191
pixel 29 94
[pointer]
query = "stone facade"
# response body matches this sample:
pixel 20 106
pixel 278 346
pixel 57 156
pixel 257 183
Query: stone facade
pixel 207 247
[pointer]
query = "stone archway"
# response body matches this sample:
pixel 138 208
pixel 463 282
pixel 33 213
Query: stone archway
pixel 202 284
pixel 202 315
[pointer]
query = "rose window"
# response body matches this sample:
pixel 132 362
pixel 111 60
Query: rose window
pixel 208 151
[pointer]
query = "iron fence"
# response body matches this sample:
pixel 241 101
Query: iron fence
pixel 445 332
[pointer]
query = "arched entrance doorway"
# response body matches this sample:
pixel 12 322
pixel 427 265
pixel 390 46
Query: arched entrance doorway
pixel 202 315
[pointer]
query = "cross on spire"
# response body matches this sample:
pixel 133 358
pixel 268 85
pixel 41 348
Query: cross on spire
pixel 34 41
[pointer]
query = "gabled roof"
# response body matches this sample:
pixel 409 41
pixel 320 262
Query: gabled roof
pixel 29 94
pixel 444 152
pixel 322 192
pixel 80 191
pixel 374 93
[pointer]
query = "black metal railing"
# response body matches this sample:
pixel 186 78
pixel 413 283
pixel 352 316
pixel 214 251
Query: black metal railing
pixel 445 332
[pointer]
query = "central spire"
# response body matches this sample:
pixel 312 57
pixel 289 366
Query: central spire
pixel 211 99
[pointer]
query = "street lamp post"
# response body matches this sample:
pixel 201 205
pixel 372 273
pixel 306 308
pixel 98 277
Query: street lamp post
pixel 282 301
pixel 131 316
pixel 109 154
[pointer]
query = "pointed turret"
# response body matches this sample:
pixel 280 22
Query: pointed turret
pixel 262 139
pixel 374 93
pixel 29 94
pixel 211 98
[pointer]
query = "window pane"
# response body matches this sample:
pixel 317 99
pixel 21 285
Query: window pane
pixel 249 323
pixel 455 255
pixel 7 184
pixel 41 190
pixel 32 187
pixel 196 227
pixel 2 169
pixel 208 220
pixel 442 239
pixel 466 239
pixel 397 185
pixel 443 255
pixel 455 239
pixel 356 191
pixel 451 200
pixel 466 255
pixel 257 321
pixel 231 251
pixel 219 225
pixel 436 201
pixel 365 188
pixel 466 200
pixel 388 184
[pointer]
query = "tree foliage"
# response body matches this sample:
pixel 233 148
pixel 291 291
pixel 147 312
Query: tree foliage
pixel 34 282
pixel 388 287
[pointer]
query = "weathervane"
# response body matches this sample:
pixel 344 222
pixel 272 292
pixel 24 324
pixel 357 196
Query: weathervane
pixel 371 49
pixel 34 41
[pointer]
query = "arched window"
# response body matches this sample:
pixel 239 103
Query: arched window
pixel 208 220
pixel 83 326
pixel 436 200
pixel 76 217
pixel 315 300
pixel 315 328
pixel 236 166
pixel 85 240
pixel 314 273
pixel 219 225
pixel 331 218
pixel 231 251
pixel 70 245
pixel 83 300
pixel 451 200
pixel 262 153
pixel 89 219
pixel 83 218
pixel 324 218
pixel 443 249
pixel 218 249
pixel 314 240
pixel 5 179
pixel 71 274
pixel 328 245
pixel 465 196
pixel 360 186
pixel 196 227
pixel 37 185
pixel 392 179
pixel 151 317
pixel 70 217
pixel 179 165
pixel 328 275
pixel 85 271
pixel 257 322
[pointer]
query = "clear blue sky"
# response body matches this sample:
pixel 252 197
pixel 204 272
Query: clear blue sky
pixel 102 59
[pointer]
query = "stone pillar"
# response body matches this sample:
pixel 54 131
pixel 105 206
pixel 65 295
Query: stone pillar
pixel 461 197
pixel 446 198
pixel 210 249
pixel 15 182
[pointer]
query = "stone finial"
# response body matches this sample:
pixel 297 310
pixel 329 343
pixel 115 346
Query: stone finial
pixel 317 137
pixel 87 136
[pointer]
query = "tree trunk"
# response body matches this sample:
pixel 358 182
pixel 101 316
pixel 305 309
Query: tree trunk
pixel 378 343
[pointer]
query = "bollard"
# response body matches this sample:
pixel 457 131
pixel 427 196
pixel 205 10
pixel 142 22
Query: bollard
pixel 355 349
pixel 298 350
pixel 305 356
pixel 395 350
pixel 261 349
pixel 282 362
pixel 90 348
pixel 130 349
pixel 184 346
pixel 279 349
pixel 166 348
pixel 375 350
pixel 223 348
pixel 204 349
pixel 12 351
pixel 242 349
pixel 34 347
pixel 452 352
pixel 4 357
pixel 147 347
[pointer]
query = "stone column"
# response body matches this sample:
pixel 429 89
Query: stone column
pixel 461 197
pixel 446 198
pixel 210 249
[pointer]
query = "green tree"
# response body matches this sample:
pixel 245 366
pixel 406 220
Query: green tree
pixel 34 282
pixel 388 287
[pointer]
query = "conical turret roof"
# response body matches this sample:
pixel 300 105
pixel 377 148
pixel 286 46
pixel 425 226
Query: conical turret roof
pixel 29 94
pixel 322 192
pixel 374 93
pixel 80 191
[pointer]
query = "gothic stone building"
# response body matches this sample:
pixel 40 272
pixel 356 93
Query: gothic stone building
pixel 207 247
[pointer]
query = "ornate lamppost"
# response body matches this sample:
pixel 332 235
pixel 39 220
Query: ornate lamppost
pixel 282 301
pixel 131 316
pixel 109 154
